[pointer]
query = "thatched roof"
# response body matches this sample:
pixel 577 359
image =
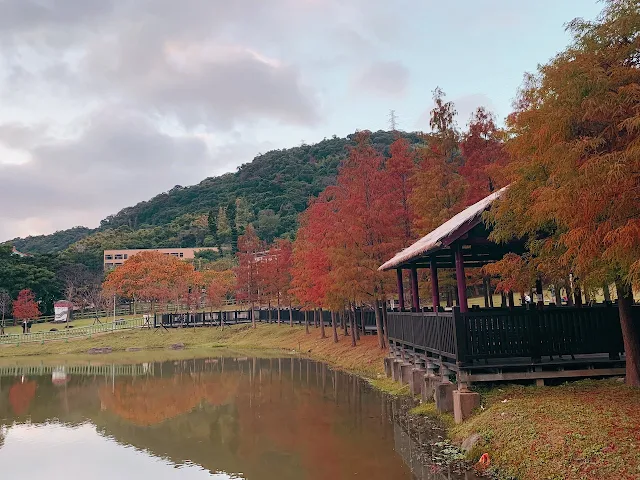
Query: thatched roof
pixel 445 234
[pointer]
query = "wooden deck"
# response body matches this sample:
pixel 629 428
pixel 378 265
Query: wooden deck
pixel 518 344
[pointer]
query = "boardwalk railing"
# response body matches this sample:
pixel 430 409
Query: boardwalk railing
pixel 495 333
pixel 64 333
pixel 203 319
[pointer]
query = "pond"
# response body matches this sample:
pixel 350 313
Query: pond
pixel 223 418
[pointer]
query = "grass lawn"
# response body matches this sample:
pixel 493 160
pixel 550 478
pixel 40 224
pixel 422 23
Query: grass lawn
pixel 581 430
pixel 365 359
pixel 46 326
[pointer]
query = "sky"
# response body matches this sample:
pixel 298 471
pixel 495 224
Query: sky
pixel 106 103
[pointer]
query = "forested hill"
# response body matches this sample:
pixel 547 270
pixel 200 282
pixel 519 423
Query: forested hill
pixel 280 180
pixel 52 243
pixel 272 189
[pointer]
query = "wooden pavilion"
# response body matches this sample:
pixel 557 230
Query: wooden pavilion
pixel 519 342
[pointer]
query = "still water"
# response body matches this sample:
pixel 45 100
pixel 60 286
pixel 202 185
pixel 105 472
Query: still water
pixel 222 418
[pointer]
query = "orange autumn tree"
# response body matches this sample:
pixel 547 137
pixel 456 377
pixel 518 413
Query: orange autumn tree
pixel 485 156
pixel 310 264
pixel 248 286
pixel 346 234
pixel 275 272
pixel 576 146
pixel 25 306
pixel 155 277
pixel 439 190
pixel 219 283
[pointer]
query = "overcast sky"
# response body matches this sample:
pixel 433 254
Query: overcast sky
pixel 105 103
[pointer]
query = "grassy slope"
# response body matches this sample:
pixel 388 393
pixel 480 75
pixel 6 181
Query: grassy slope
pixel 582 430
pixel 366 359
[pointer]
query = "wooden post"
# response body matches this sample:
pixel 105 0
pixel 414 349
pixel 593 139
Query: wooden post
pixel 511 300
pixel 435 291
pixel 460 279
pixel 485 287
pixel 400 289
pixel 415 298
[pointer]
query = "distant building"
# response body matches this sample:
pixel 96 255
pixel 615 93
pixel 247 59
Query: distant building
pixel 115 258
pixel 14 251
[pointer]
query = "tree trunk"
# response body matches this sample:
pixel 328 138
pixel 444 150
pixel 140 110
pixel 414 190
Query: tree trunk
pixel 306 321
pixel 355 321
pixel 449 297
pixel 569 293
pixel 278 309
pixel 352 322
pixel 490 293
pixel 290 316
pixel 321 319
pixel 577 293
pixel 385 323
pixel 485 287
pixel 334 326
pixel 630 334
pixel 379 324
pixel 253 315
pixel 269 312
pixel 362 321
pixel 343 319
pixel 606 293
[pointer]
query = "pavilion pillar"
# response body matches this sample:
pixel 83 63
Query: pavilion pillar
pixel 460 279
pixel 415 298
pixel 400 289
pixel 435 291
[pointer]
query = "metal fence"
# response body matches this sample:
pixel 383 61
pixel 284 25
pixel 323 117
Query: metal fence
pixel 66 333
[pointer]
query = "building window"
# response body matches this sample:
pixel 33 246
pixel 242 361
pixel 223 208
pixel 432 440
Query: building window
pixel 126 256
pixel 174 254
pixel 118 256
pixel 181 254
pixel 108 265
pixel 108 257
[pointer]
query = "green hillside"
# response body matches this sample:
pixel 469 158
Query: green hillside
pixel 269 192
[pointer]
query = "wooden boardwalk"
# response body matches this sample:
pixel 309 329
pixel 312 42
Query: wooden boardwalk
pixel 517 344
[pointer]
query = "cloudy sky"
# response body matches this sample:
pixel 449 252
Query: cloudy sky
pixel 104 103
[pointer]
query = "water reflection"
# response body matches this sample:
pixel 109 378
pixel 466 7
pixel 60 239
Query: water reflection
pixel 251 418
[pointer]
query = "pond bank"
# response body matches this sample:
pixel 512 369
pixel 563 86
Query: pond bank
pixel 365 359
pixel 587 429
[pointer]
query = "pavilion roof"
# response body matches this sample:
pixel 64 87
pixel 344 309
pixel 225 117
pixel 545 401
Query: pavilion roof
pixel 447 233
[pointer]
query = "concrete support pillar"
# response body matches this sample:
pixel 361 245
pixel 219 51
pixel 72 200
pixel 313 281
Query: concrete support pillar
pixel 400 289
pixel 406 376
pixel 388 366
pixel 429 382
pixel 435 291
pixel 443 393
pixel 417 381
pixel 464 403
pixel 395 370
pixel 461 279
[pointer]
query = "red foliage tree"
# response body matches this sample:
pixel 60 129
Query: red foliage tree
pixel 248 277
pixel 484 155
pixel 25 306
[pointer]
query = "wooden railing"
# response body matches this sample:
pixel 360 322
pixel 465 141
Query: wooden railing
pixel 233 317
pixel 496 333
pixel 433 332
